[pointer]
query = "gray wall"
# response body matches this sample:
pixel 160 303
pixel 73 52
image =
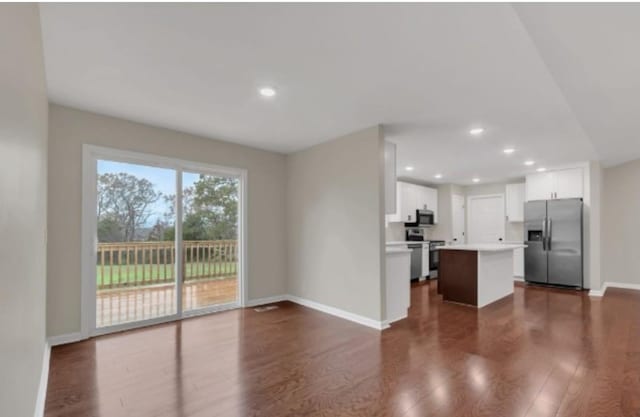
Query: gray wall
pixel 69 129
pixel 335 209
pixel 593 228
pixel 23 191
pixel 621 223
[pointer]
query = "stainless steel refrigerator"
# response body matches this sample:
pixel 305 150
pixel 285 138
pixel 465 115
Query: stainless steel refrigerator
pixel 553 234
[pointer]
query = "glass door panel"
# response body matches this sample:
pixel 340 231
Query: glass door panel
pixel 210 240
pixel 135 271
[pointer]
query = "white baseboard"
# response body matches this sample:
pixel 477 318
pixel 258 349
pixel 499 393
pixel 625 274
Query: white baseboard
pixel 518 279
pixel 266 300
pixel 624 285
pixel 598 293
pixel 608 284
pixel 356 318
pixel 44 381
pixel 63 339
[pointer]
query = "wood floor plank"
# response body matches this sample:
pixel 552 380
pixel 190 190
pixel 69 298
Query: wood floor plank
pixel 539 353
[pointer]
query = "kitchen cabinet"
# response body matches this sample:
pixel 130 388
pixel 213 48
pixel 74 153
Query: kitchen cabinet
pixel 518 263
pixel 397 284
pixel 515 202
pixel 408 201
pixel 432 202
pixel 389 177
pixel 425 261
pixel 458 220
pixel 565 183
pixel 412 197
pixel 539 186
pixel 569 183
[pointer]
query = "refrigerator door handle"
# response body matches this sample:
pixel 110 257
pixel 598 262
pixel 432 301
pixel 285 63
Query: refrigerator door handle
pixel 549 234
pixel 544 234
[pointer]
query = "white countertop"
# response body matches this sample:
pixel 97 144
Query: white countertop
pixel 485 247
pixel 393 250
pixel 406 242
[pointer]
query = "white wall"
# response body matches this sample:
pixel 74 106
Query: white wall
pixel 70 128
pixel 335 213
pixel 621 223
pixel 23 202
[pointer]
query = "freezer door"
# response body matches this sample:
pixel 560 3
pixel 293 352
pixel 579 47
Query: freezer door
pixel 535 255
pixel 564 242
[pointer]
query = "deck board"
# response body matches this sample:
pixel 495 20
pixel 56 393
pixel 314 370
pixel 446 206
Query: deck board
pixel 143 303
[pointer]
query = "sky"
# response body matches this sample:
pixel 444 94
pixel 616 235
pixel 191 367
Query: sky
pixel 163 180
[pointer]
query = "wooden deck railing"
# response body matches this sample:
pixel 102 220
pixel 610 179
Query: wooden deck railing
pixel 131 264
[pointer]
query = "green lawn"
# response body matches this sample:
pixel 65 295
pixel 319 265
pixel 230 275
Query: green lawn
pixel 148 273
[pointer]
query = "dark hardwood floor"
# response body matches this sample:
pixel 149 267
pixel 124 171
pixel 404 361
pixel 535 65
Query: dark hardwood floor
pixel 542 352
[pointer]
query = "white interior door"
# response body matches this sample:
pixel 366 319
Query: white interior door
pixel 486 219
pixel 457 216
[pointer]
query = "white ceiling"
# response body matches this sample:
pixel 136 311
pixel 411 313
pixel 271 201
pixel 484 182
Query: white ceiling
pixel 558 83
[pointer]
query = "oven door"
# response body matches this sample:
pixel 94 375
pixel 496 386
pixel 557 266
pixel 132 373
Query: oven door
pixel 434 259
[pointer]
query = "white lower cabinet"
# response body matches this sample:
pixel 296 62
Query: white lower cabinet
pixel 518 263
pixel 398 285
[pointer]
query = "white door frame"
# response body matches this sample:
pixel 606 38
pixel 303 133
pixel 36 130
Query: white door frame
pixel 90 156
pixel 478 197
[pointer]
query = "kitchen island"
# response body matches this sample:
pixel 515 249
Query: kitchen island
pixel 476 274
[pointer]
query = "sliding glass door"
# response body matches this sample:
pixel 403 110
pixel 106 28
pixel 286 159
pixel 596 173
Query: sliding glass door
pixel 168 239
pixel 135 268
pixel 210 240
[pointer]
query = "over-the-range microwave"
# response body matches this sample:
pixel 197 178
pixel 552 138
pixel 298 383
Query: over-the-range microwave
pixel 424 218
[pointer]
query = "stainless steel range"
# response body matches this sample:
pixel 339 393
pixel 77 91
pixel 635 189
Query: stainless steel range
pixel 434 257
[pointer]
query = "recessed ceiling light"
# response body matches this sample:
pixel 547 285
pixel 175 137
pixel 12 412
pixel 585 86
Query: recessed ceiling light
pixel 267 91
pixel 438 176
pixel 476 131
pixel 476 180
pixel 541 169
pixel 509 151
pixel 529 163
pixel 409 168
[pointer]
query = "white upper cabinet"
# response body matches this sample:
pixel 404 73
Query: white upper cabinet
pixel 539 186
pixel 569 183
pixel 422 197
pixel 565 183
pixel 515 202
pixel 411 197
pixel 408 201
pixel 389 178
pixel 432 202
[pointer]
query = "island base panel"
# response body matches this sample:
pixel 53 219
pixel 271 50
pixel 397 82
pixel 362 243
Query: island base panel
pixel 457 276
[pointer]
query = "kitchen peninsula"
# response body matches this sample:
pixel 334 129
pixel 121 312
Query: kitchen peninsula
pixel 476 274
